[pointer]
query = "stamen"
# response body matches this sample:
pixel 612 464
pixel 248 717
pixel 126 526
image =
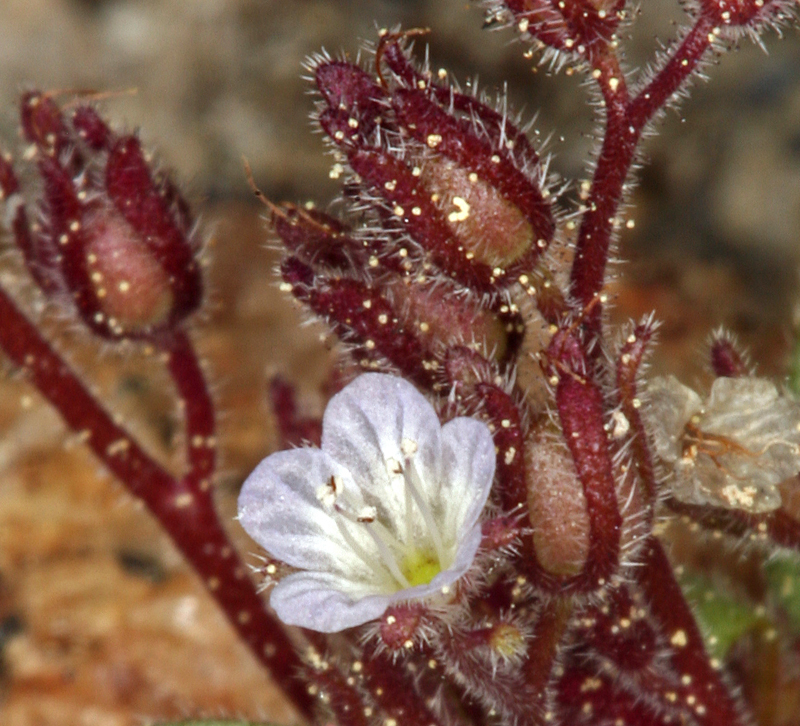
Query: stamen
pixel 366 517
pixel 386 555
pixel 412 479
pixel 367 559
pixel 395 468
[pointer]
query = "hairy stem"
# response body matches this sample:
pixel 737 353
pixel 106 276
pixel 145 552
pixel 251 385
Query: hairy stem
pixel 622 135
pixel 184 509
pixel 710 701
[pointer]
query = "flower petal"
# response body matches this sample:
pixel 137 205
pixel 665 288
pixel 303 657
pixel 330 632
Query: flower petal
pixel 468 463
pixel 279 508
pixel 375 421
pixel 315 600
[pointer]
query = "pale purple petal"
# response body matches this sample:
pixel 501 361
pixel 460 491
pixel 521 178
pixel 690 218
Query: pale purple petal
pixel 279 508
pixel 402 485
pixel 317 600
pixel 468 462
pixel 365 426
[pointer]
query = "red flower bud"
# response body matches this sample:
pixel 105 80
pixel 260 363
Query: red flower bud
pixel 745 13
pixel 442 170
pixel 577 26
pixel 114 238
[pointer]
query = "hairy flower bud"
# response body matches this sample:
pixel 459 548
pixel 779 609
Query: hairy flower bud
pixel 745 13
pixel 115 238
pixel 441 169
pixel 568 25
pixel 557 508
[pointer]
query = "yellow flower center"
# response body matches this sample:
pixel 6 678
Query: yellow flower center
pixel 419 567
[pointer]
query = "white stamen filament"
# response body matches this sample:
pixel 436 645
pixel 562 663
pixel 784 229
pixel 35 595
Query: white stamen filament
pixel 386 553
pixel 380 535
pixel 365 556
pixel 388 543
pixel 412 479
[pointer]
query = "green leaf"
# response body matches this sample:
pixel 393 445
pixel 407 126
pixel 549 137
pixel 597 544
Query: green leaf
pixel 783 578
pixel 722 617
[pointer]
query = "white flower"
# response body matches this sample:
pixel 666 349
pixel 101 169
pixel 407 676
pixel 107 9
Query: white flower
pixel 387 510
pixel 733 449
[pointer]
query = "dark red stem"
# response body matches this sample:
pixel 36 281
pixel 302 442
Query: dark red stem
pixel 780 527
pixel 185 509
pixel 394 693
pixel 711 702
pixel 543 649
pixel 628 365
pixel 625 121
pixel 197 407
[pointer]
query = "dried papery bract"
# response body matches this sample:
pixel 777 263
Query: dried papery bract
pixel 732 450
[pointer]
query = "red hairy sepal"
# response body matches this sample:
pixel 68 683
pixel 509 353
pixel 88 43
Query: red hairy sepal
pixel 580 407
pixel 587 698
pixel 444 320
pixel 494 126
pixel 415 212
pixel 360 315
pixel 727 359
pixel 42 123
pixel 620 632
pixel 91 128
pixel 742 13
pixel 500 533
pixel 400 625
pixel 317 238
pixel 479 389
pixel 578 26
pixel 295 430
pixel 458 141
pixel 352 96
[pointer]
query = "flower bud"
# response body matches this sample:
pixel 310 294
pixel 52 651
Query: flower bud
pixel 446 172
pixel 115 239
pixel 557 507
pixel 570 25
pixel 744 13
pixel 445 321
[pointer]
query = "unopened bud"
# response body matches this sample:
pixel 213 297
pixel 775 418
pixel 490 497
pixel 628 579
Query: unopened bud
pixel 399 626
pixel 507 641
pixel 116 240
pixel 557 507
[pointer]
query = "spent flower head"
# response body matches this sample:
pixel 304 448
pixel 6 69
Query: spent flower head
pixel 731 450
pixel 387 510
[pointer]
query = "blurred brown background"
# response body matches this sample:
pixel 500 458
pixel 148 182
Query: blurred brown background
pixel 100 622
